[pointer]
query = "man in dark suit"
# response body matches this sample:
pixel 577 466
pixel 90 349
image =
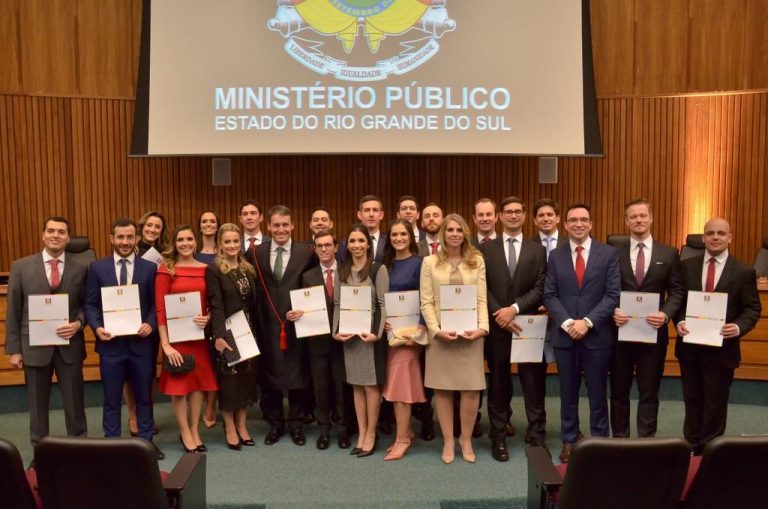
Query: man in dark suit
pixel 408 210
pixel 326 355
pixel 546 217
pixel 431 221
pixel 518 266
pixel 646 266
pixel 251 214
pixel 124 358
pixel 51 271
pixel 319 221
pixel 279 264
pixel 485 217
pixel 370 212
pixel 706 372
pixel 581 291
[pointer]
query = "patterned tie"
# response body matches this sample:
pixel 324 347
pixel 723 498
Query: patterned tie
pixel 640 264
pixel 548 239
pixel 580 267
pixel 710 286
pixel 512 258
pixel 485 239
pixel 278 270
pixel 55 275
pixel 123 271
pixel 434 246
pixel 329 283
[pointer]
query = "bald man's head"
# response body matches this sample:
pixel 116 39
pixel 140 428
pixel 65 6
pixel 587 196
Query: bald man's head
pixel 717 235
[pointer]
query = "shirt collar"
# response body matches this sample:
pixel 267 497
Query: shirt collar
pixel 47 258
pixel 131 258
pixel 648 243
pixel 332 267
pixel 720 258
pixel 286 246
pixel 587 244
pixel 543 236
pixel 480 236
pixel 518 238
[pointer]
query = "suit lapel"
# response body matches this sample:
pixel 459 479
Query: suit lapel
pixel 40 273
pixel 292 261
pixel 262 258
pixel 626 266
pixel 725 276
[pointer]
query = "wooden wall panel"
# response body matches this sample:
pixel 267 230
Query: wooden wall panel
pixel 660 46
pixel 756 44
pixel 49 46
pixel 106 47
pixel 10 71
pixel 613 45
pixel 716 51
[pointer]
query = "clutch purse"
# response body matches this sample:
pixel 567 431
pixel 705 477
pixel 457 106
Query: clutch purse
pixel 230 356
pixel 398 336
pixel 187 365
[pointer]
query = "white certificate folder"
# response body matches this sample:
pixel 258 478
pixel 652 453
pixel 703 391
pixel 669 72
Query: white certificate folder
pixel 638 305
pixel 528 346
pixel 704 317
pixel 46 314
pixel 355 311
pixel 403 310
pixel 241 331
pixel 314 321
pixel 122 309
pixel 458 308
pixel 180 310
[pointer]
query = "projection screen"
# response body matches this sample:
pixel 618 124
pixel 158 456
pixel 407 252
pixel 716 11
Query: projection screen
pixel 366 76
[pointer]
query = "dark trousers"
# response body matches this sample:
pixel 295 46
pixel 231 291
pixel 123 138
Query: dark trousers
pixel 328 376
pixel 272 407
pixel 497 353
pixel 705 392
pixel 533 378
pixel 115 370
pixel 571 362
pixel 70 382
pixel 646 362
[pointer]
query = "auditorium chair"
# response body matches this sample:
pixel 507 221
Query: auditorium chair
pixel 694 246
pixel 610 473
pixel 17 487
pixel 761 260
pixel 115 473
pixel 617 240
pixel 729 473
pixel 80 247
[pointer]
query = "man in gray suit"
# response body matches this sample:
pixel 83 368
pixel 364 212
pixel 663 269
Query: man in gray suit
pixel 41 274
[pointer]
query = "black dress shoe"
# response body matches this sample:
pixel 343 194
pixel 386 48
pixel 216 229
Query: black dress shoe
pixel 323 442
pixel 511 431
pixel 248 442
pixel 427 430
pixel 235 447
pixel 273 436
pixel 160 454
pixel 499 450
pixel 344 440
pixel 297 435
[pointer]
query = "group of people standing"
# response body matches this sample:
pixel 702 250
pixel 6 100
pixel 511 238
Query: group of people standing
pixel 574 278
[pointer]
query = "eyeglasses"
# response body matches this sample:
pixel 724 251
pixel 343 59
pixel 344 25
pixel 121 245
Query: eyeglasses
pixel 574 220
pixel 320 247
pixel 514 212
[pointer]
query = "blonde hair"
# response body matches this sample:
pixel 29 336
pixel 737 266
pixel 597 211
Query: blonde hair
pixel 469 253
pixel 221 263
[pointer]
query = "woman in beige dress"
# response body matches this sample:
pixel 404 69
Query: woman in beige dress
pixel 454 359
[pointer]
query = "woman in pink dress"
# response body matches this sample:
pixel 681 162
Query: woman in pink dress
pixel 404 384
pixel 181 273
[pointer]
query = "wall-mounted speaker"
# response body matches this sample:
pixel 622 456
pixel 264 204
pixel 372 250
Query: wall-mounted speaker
pixel 547 170
pixel 222 171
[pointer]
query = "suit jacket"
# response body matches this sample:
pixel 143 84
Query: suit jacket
pixel 378 255
pixel 526 288
pixel 284 369
pixel 740 283
pixel 264 239
pixel 597 298
pixel 320 345
pixel 433 276
pixel 101 274
pixel 27 278
pixel 663 277
pixel 224 299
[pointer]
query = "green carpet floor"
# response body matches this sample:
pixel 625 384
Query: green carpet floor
pixel 286 476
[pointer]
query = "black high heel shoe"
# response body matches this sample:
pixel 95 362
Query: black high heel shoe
pixel 185 447
pixel 355 451
pixel 235 447
pixel 247 442
pixel 201 448
pixel 364 454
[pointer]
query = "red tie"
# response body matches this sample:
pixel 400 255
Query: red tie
pixel 485 239
pixel 251 243
pixel 55 276
pixel 710 287
pixel 580 268
pixel 329 283
pixel 434 247
pixel 640 265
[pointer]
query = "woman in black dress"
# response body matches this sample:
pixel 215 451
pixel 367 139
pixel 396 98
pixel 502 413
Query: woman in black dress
pixel 230 283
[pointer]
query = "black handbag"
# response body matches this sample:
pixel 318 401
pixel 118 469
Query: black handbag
pixel 187 364
pixel 230 356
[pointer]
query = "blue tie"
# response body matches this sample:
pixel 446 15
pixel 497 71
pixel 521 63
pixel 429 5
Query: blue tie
pixel 548 239
pixel 123 271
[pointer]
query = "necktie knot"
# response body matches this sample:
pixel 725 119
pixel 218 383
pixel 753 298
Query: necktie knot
pixel 640 246
pixel 485 239
pixel 579 249
pixel 548 239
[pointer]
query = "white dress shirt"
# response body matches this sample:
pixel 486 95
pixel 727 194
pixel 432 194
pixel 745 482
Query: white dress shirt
pixel 47 264
pixel 286 254
pixel 129 266
pixel 719 265
pixel 647 250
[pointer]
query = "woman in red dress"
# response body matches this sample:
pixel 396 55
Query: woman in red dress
pixel 181 273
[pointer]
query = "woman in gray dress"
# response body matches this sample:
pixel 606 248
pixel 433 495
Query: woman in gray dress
pixel 454 359
pixel 364 352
